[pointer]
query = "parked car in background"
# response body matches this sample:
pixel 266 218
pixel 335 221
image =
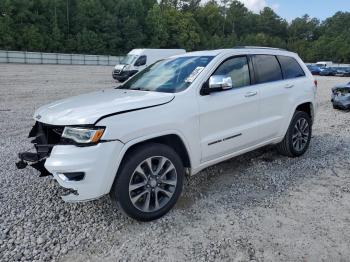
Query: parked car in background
pixel 328 71
pixel 324 64
pixel 180 115
pixel 315 70
pixel 138 59
pixel 341 97
pixel 342 71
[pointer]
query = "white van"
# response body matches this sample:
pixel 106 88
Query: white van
pixel 138 59
pixel 324 64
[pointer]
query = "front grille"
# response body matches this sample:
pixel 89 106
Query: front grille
pixel 48 135
pixel 45 138
pixel 52 133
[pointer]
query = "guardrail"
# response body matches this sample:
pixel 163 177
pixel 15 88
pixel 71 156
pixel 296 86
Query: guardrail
pixel 56 58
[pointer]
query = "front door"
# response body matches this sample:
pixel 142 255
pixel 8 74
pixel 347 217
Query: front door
pixel 229 119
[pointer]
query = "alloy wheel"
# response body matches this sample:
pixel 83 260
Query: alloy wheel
pixel 301 133
pixel 152 184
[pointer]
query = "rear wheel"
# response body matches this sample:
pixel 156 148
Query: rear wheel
pixel 298 136
pixel 149 182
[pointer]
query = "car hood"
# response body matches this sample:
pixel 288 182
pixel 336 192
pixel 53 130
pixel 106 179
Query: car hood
pixel 119 67
pixel 88 108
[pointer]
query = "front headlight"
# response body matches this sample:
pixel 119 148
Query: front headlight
pixel 83 135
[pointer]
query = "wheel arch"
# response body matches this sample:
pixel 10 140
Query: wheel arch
pixel 305 106
pixel 173 140
pixel 129 162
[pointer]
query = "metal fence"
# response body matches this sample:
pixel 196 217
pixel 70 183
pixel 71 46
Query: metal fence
pixel 56 58
pixel 333 65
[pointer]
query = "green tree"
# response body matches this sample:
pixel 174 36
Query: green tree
pixel 116 26
pixel 32 39
pixel 270 23
pixel 157 28
pixel 304 28
pixel 188 34
pixel 7 40
pixel 86 39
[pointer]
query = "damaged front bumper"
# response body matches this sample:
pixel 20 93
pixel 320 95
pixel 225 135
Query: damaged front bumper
pixel 89 171
pixel 45 137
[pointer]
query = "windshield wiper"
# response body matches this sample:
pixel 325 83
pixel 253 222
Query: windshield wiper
pixel 140 89
pixel 134 88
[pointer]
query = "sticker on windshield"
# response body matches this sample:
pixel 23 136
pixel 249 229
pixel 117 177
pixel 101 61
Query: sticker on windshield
pixel 194 74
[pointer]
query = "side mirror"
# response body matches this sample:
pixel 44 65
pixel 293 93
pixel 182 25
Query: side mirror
pixel 220 82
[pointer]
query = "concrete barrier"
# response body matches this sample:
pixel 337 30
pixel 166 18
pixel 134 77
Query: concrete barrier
pixel 56 58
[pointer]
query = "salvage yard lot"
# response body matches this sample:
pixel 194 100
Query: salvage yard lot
pixel 259 206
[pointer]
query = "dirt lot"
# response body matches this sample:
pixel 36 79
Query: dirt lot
pixel 259 206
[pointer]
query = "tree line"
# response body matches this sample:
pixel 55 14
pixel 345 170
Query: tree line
pixel 114 27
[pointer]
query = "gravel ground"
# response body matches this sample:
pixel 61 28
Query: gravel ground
pixel 256 207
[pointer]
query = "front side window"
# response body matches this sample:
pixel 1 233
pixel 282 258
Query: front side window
pixel 290 67
pixel 170 75
pixel 142 60
pixel 267 69
pixel 237 68
pixel 128 59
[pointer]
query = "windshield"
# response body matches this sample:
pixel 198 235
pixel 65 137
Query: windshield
pixel 128 59
pixel 169 75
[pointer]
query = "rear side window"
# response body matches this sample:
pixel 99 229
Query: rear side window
pixel 290 67
pixel 267 69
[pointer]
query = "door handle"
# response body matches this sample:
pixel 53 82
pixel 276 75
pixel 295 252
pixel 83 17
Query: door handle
pixel 251 93
pixel 289 86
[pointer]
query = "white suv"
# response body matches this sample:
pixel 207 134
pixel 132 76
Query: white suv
pixel 178 116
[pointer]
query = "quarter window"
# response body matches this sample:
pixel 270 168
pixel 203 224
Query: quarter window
pixel 290 67
pixel 237 68
pixel 267 69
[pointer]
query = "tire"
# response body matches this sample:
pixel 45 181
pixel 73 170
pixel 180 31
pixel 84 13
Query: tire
pixel 147 195
pixel 299 129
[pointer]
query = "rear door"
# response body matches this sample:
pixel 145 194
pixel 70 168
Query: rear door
pixel 277 77
pixel 297 85
pixel 229 119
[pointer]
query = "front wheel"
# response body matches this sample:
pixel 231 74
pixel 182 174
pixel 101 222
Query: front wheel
pixel 149 182
pixel 298 136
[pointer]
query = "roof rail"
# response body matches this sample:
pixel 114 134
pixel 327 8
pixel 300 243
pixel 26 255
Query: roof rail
pixel 258 47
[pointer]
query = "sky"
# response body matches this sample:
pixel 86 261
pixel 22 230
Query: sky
pixel 290 9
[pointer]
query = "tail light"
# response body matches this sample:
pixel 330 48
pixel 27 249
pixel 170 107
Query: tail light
pixel 315 82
